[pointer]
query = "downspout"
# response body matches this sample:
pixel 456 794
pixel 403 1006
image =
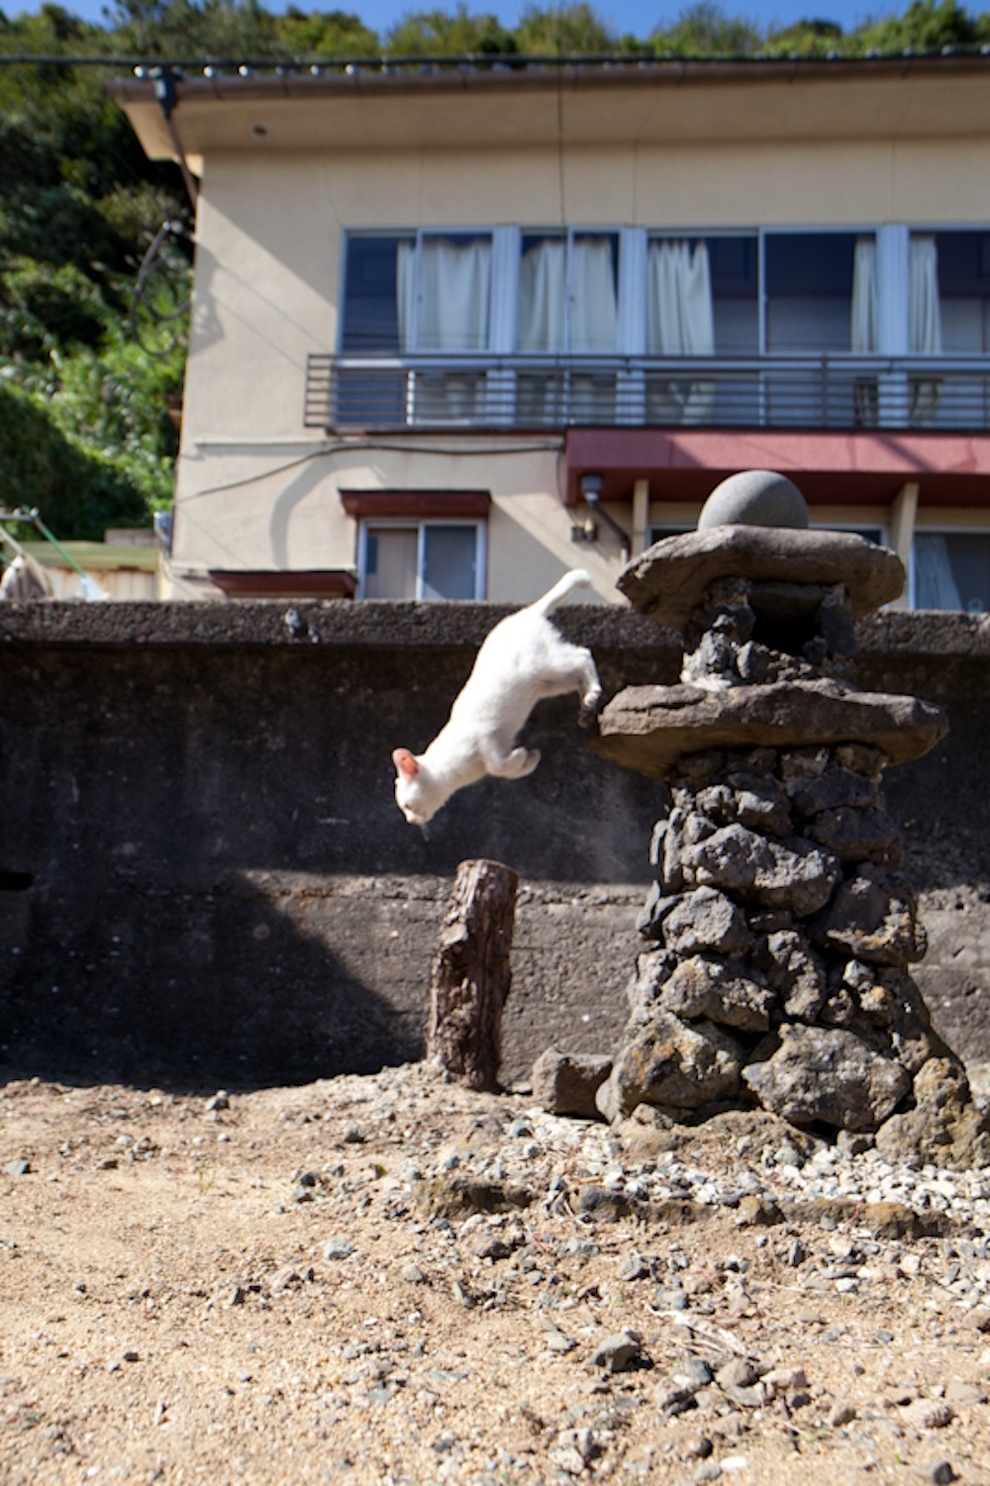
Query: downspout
pixel 164 79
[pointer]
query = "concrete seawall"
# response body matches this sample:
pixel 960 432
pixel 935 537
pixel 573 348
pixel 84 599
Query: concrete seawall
pixel 203 872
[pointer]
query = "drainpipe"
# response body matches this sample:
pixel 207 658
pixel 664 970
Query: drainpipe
pixel 164 79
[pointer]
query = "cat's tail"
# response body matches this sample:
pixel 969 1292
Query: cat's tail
pixel 576 578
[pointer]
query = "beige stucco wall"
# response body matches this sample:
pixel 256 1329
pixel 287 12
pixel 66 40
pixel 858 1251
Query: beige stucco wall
pixel 257 490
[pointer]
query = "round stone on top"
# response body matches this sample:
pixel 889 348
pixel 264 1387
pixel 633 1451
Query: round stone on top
pixel 755 498
pixel 754 526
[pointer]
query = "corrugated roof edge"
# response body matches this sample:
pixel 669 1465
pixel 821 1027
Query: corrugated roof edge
pixel 263 79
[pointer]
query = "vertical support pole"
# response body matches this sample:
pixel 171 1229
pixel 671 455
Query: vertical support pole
pixel 640 516
pixel 471 973
pixel 903 512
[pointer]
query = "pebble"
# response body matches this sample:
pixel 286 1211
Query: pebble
pixel 617 1352
pixel 928 1413
pixel 18 1168
pixel 739 1373
pixel 338 1248
pixel 939 1473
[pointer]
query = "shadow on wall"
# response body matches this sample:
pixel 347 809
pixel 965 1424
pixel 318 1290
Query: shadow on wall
pixel 233 986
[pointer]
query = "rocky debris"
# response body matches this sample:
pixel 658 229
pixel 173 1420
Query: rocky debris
pixel 566 1083
pixel 944 1125
pixel 750 1284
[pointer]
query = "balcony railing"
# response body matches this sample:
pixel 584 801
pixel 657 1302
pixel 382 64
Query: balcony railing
pixel 385 393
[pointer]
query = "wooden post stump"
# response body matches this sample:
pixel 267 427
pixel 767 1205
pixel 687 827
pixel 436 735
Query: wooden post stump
pixel 471 973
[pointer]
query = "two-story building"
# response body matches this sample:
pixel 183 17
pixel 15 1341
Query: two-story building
pixel 457 328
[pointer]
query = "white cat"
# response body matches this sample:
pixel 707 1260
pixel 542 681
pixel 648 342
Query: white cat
pixel 523 660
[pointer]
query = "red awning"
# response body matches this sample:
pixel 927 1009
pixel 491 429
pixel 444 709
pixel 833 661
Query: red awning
pixel 842 468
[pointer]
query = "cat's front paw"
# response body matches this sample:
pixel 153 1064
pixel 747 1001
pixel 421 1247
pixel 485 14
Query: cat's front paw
pixel 589 708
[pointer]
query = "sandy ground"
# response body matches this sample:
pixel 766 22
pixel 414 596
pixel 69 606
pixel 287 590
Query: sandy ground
pixel 394 1279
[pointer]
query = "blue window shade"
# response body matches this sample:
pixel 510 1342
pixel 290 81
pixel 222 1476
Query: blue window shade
pixel 371 301
pixel 450 562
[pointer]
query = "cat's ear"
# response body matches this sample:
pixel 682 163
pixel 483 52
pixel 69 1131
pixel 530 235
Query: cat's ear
pixel 405 763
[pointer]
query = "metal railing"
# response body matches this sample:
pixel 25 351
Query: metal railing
pixel 387 393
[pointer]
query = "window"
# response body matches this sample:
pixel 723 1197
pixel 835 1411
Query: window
pixel 568 305
pixel 957 317
pixel 423 560
pixel 425 295
pixel 536 327
pixel 821 296
pixel 951 570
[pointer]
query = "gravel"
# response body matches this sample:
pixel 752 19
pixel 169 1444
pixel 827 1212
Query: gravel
pixel 564 1301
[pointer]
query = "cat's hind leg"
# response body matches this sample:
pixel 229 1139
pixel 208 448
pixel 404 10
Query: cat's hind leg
pixel 514 765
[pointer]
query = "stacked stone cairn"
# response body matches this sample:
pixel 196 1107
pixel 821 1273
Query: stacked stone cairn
pixel 779 931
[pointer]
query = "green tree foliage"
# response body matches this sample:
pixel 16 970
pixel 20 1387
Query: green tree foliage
pixel 440 33
pixel 705 30
pixel 82 413
pixel 78 492
pixel 925 27
pixel 567 31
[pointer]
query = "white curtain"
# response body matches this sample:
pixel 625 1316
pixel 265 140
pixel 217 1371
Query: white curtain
pixel 863 332
pixel 447 311
pixel 543 298
pixel 593 309
pixel 594 302
pixel 864 337
pixel 680 322
pixel 405 294
pixel 454 293
pixel 934 585
pixel 924 324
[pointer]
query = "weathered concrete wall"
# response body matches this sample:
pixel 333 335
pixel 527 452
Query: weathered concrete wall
pixel 203 872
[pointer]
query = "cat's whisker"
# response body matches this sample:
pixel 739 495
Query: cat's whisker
pixel 425 831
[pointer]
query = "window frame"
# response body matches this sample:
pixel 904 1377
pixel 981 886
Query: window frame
pixel 419 525
pixel 931 529
pixel 416 235
pixel 892 240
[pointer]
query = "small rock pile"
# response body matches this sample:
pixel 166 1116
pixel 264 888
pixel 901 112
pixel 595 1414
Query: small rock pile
pixel 780 927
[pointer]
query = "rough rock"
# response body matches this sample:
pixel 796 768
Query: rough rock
pixel 752 800
pixel 706 919
pixel 651 728
pixel 706 987
pixel 668 1062
pixel 796 974
pixel 793 874
pixel 856 835
pixel 617 1352
pixel 834 788
pixel 945 1125
pixel 827 1075
pixel 873 917
pixel 566 1083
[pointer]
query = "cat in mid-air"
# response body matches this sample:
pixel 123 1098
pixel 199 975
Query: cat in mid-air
pixel 523 660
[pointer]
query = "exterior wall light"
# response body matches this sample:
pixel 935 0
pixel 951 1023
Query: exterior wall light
pixel 591 490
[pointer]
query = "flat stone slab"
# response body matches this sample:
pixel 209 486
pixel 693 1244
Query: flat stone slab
pixel 668 581
pixel 649 728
